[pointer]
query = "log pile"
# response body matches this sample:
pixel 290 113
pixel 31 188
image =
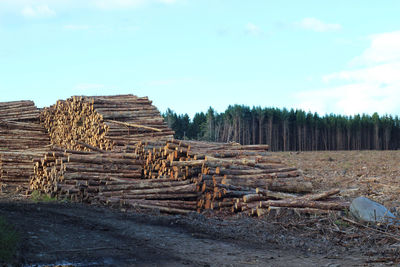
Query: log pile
pixel 16 168
pixel 99 156
pixel 22 111
pixel 109 178
pixel 79 174
pixel 103 122
pixel 16 135
pixel 22 139
pixel 71 121
pixel 263 201
pixel 20 126
pixel 230 177
pixel 180 177
pixel 130 119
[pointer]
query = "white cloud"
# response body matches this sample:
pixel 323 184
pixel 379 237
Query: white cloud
pixel 384 48
pixel 350 99
pixel 253 29
pixel 317 25
pixel 387 73
pixel 37 11
pixel 374 86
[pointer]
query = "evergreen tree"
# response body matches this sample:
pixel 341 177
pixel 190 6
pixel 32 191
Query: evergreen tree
pixel 288 130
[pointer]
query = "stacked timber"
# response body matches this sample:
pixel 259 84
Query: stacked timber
pixel 24 110
pixel 71 121
pixel 16 168
pixel 22 140
pixel 171 178
pixel 227 176
pixel 79 175
pixel 15 135
pixel 262 201
pixel 109 178
pixel 84 122
pixel 130 119
pixel 20 126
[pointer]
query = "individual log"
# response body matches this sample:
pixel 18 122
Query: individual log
pixel 102 160
pixel 160 208
pixel 253 197
pixel 319 196
pixel 275 211
pixel 169 196
pixel 136 125
pixel 301 203
pixel 162 190
pixel 292 185
pixel 142 184
pixel 178 204
pixel 274 194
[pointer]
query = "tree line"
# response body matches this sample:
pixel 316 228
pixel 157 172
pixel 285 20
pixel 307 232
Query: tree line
pixel 288 130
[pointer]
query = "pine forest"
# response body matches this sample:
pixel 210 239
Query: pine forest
pixel 288 130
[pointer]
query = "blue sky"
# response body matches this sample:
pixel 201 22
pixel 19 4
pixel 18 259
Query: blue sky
pixel 323 56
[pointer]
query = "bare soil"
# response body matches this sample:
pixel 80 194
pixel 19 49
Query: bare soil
pixel 82 235
pixel 374 174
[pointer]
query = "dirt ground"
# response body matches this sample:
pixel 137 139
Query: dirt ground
pixel 82 235
pixel 374 174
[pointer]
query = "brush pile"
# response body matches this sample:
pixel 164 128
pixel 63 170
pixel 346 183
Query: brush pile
pixel 84 123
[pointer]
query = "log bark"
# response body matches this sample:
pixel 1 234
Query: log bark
pixel 301 203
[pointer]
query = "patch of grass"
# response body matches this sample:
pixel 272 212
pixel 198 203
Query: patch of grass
pixel 40 197
pixel 8 241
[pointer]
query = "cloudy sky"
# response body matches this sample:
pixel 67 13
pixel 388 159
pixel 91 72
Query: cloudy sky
pixel 326 56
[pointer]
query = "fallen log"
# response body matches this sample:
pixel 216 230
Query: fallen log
pixel 301 203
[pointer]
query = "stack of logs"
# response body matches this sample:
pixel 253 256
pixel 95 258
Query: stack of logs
pixel 109 178
pixel 24 110
pixel 234 177
pixel 15 135
pixel 130 119
pixel 22 139
pixel 103 122
pixel 20 126
pixel 16 168
pixel 180 177
pixel 98 156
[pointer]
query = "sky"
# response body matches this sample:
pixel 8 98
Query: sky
pixel 339 57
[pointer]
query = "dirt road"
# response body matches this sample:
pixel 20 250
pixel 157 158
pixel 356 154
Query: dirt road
pixel 57 233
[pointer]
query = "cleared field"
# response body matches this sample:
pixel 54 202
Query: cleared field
pixel 374 174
